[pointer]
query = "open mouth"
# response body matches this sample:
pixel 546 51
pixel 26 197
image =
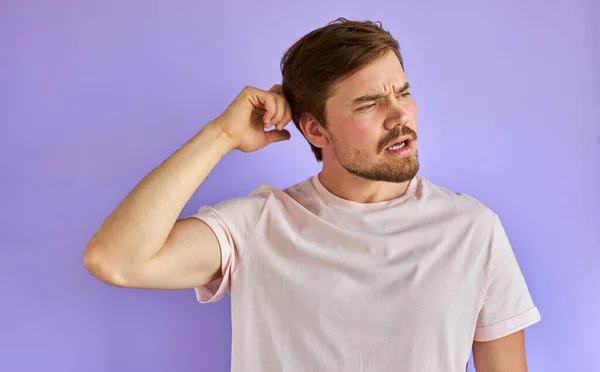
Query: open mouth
pixel 400 144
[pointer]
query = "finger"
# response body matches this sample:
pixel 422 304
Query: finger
pixel 277 118
pixel 267 123
pixel 277 135
pixel 276 89
pixel 286 117
pixel 270 104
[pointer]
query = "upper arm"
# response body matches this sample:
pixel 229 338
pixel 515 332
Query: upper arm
pixel 506 354
pixel 507 304
pixel 190 257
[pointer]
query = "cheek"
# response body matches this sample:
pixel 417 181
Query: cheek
pixel 358 132
pixel 413 113
pixel 364 131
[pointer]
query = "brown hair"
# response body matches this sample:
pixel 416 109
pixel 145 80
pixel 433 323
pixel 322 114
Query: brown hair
pixel 326 56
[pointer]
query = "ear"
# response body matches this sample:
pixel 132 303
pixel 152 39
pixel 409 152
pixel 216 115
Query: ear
pixel 314 131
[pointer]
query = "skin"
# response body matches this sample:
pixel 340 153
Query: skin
pixel 506 354
pixel 356 166
pixel 142 244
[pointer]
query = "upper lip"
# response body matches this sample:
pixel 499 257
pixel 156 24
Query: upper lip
pixel 398 140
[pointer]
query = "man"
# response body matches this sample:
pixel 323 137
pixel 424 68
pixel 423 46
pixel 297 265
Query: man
pixel 364 267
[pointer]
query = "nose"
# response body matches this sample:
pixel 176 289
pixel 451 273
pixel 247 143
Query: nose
pixel 397 116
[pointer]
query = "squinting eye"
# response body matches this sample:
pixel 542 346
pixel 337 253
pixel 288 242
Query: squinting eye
pixel 366 107
pixel 406 94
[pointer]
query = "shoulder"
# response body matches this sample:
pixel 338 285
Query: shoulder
pixel 246 205
pixel 253 204
pixel 454 203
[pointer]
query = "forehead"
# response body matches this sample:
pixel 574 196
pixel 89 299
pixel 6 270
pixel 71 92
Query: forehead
pixel 377 77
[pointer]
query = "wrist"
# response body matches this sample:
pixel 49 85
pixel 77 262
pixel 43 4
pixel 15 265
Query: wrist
pixel 219 137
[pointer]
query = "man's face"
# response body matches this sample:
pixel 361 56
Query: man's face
pixel 368 116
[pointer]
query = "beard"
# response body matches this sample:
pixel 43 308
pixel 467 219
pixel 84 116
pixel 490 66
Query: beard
pixel 393 169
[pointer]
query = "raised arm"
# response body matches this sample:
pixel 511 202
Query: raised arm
pixel 142 243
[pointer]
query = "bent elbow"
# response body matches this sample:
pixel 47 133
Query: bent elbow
pixel 97 263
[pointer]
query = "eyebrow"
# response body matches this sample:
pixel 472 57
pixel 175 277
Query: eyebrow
pixel 377 96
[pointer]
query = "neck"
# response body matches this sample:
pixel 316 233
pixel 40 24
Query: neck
pixel 350 187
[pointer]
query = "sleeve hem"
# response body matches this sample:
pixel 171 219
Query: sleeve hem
pixel 508 326
pixel 214 290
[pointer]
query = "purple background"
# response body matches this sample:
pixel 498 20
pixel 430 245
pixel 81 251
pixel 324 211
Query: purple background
pixel 95 94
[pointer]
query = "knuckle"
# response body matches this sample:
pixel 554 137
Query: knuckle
pixel 272 100
pixel 248 90
pixel 281 100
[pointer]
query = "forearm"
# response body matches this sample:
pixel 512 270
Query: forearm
pixel 141 223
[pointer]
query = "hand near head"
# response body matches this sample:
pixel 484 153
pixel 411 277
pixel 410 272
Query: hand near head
pixel 253 111
pixel 163 251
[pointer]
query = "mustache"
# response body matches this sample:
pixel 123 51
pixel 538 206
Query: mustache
pixel 394 134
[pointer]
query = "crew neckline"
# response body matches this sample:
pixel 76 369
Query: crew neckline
pixel 332 199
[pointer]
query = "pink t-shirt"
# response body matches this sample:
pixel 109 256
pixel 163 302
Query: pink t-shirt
pixel 319 283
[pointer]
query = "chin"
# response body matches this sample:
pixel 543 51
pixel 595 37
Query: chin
pixel 397 174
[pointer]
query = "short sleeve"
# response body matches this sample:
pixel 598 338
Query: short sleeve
pixel 232 222
pixel 216 289
pixel 508 306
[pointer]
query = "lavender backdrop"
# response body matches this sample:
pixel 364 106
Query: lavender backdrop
pixel 95 94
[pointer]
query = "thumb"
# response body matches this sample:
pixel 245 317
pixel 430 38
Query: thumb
pixel 277 135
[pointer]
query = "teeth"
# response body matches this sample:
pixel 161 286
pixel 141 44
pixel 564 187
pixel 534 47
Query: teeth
pixel 399 146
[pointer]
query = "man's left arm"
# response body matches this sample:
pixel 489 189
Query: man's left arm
pixel 507 309
pixel 505 354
